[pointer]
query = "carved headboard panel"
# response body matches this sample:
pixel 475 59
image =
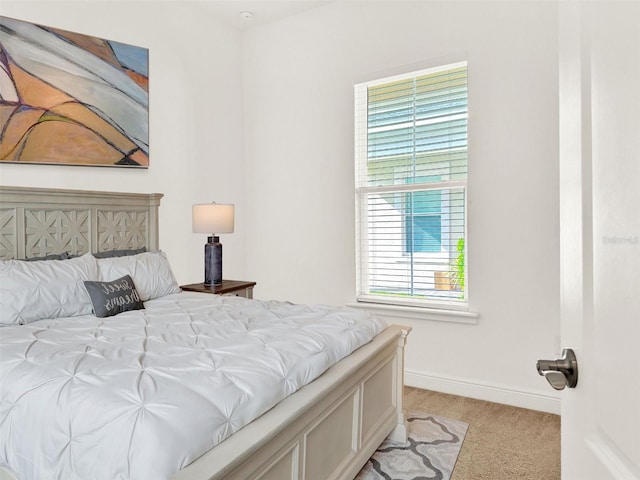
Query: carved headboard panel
pixel 40 221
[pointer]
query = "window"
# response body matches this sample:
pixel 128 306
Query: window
pixel 411 181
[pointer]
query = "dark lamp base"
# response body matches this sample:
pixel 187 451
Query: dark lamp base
pixel 213 262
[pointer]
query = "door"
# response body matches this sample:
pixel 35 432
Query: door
pixel 599 71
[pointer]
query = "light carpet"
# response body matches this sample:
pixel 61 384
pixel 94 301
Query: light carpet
pixel 430 454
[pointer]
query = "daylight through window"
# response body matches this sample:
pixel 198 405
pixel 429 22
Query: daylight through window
pixel 411 180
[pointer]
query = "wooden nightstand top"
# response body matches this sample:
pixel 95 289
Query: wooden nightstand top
pixel 226 287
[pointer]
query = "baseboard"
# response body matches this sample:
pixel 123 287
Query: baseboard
pixel 542 402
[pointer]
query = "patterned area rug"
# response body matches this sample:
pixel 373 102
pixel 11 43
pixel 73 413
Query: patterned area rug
pixel 431 453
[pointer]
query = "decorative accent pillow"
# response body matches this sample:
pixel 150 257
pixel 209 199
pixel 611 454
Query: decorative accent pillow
pixel 32 291
pixel 112 298
pixel 150 271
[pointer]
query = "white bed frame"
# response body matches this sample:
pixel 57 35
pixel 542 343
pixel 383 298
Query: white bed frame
pixel 40 221
pixel 325 431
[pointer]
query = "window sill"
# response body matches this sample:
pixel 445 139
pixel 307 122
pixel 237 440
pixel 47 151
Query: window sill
pixel 419 313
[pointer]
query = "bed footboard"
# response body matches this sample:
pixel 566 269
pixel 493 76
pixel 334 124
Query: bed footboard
pixel 325 431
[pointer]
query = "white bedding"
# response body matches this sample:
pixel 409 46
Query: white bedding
pixel 142 394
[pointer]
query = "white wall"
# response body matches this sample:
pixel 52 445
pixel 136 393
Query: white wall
pixel 264 119
pixel 298 85
pixel 195 119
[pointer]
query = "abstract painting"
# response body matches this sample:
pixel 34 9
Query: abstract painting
pixel 71 99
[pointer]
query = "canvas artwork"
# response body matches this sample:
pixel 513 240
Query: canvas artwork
pixel 71 99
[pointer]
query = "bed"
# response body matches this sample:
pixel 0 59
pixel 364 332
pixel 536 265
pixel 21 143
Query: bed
pixel 323 421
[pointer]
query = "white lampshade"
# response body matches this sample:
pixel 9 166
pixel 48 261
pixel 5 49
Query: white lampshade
pixel 212 218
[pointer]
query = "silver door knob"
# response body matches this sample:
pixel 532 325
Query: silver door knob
pixel 562 372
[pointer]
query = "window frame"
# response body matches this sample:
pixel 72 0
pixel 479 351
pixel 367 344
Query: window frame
pixel 362 192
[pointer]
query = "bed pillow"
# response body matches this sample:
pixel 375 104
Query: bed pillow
pixel 150 271
pixel 112 298
pixel 32 291
pixel 120 253
pixel 53 256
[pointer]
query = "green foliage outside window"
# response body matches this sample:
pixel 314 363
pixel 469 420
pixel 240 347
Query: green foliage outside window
pixel 457 275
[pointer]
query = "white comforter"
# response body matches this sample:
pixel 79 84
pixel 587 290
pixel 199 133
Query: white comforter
pixel 143 394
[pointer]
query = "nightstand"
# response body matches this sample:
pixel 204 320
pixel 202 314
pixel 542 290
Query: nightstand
pixel 227 287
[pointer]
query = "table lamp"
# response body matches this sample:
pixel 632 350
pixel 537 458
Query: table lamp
pixel 212 218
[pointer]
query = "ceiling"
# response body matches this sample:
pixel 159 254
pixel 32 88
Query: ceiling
pixel 229 11
pixel 264 11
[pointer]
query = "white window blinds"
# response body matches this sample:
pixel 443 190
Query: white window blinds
pixel 411 179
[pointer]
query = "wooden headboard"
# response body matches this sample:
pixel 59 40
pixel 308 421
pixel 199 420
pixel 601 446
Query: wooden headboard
pixel 40 221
